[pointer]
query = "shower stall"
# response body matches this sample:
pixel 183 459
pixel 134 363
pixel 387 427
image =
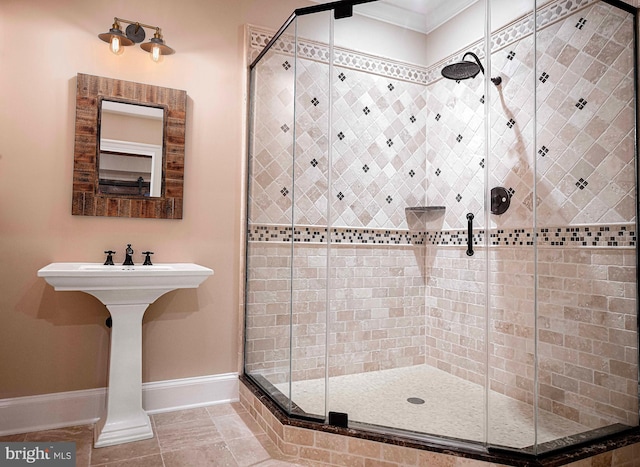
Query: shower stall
pixel 444 257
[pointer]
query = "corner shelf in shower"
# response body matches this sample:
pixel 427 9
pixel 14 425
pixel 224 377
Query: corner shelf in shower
pixel 425 217
pixel 429 209
pixel 425 212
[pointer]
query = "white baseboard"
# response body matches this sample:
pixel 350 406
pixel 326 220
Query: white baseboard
pixel 49 411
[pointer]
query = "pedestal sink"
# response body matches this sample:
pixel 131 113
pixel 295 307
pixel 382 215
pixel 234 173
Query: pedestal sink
pixel 126 291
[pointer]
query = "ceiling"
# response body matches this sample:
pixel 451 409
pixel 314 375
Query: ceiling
pixel 419 15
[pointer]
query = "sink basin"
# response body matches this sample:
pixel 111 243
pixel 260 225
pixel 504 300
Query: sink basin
pixel 124 284
pixel 126 291
pixel 114 269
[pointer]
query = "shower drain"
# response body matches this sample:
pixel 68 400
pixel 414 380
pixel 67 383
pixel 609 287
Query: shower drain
pixel 415 400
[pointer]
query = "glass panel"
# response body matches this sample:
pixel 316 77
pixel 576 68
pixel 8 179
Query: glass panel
pixel 270 217
pixel 456 271
pixel 407 307
pixel 586 222
pixel 376 287
pixel 511 170
pixel 309 304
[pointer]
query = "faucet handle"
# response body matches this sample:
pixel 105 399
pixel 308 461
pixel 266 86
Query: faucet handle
pixel 109 261
pixel 147 259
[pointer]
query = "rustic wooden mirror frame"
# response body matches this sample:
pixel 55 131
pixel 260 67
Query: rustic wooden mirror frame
pixel 86 200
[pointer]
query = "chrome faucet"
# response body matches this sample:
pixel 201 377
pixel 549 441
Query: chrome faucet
pixel 128 260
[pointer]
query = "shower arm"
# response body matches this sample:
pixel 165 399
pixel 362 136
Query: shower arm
pixel 497 81
pixel 475 57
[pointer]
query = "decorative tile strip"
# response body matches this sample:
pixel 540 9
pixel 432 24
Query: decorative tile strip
pixel 318 51
pixel 578 236
pixel 546 15
pixel 380 66
pixel 315 234
pixel 604 235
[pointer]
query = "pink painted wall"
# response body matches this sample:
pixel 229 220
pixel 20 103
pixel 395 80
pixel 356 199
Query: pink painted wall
pixel 57 341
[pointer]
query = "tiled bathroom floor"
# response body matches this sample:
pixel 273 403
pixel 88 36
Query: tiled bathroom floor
pixel 219 435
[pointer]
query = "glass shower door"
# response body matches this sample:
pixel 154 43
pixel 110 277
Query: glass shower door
pixel 407 293
pixel 511 200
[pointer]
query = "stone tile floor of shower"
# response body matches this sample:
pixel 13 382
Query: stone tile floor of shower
pixel 452 406
pixel 217 435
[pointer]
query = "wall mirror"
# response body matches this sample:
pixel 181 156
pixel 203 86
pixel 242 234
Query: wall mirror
pixel 129 149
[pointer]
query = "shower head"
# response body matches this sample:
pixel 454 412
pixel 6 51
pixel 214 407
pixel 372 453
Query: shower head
pixel 465 69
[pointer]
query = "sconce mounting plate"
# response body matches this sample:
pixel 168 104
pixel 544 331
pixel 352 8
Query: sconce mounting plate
pixel 135 32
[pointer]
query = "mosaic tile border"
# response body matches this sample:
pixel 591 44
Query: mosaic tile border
pixel 607 236
pixel 318 51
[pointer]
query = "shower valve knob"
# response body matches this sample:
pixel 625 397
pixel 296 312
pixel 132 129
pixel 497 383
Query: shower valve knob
pixel 500 200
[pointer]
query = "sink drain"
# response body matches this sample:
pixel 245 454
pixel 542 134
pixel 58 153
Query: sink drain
pixel 415 400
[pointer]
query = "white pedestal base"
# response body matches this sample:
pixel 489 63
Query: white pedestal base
pixel 124 419
pixel 124 431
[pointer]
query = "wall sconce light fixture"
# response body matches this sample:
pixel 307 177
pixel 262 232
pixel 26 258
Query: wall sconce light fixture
pixel 134 35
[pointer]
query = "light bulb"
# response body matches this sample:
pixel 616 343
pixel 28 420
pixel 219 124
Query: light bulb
pixel 155 53
pixel 115 44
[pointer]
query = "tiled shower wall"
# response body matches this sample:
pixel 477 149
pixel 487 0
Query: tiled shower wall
pixel 586 324
pixel 383 111
pixel 582 163
pixel 378 146
pixel 376 314
pixel 581 158
pixel 403 291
